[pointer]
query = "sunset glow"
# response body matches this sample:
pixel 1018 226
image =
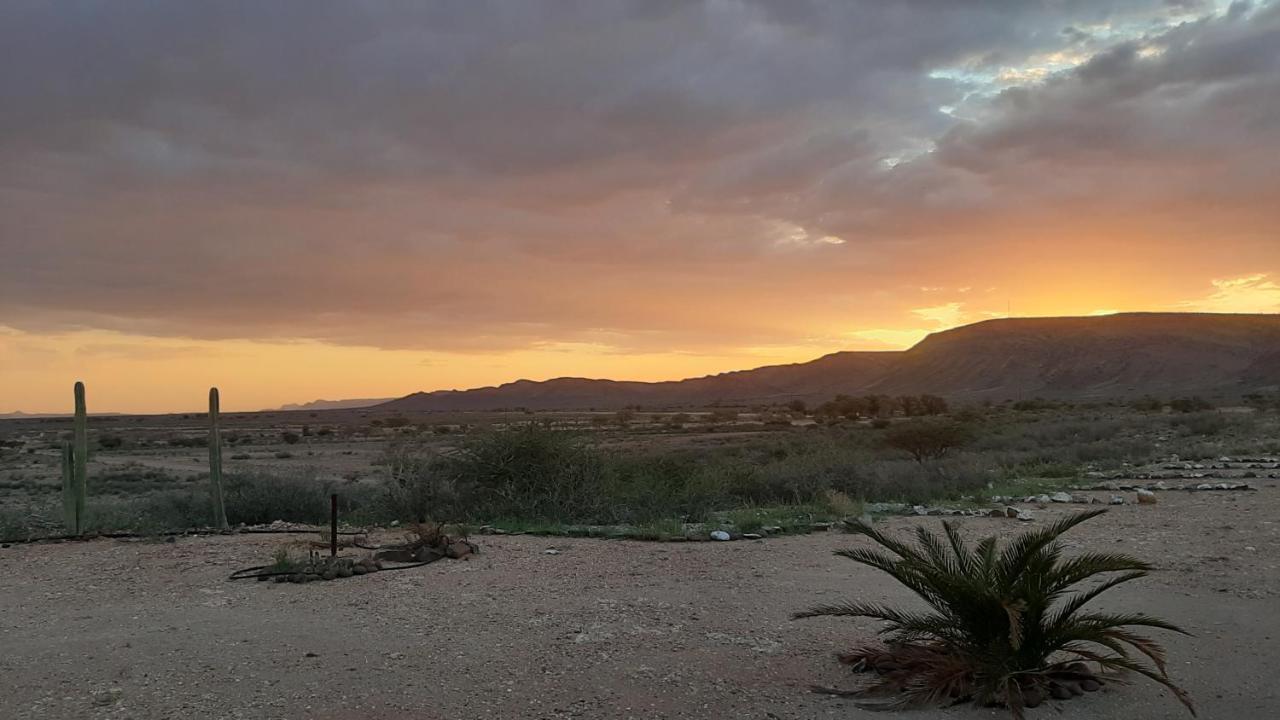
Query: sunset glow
pixel 390 199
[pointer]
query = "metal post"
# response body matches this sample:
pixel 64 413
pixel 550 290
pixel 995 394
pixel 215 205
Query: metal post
pixel 333 525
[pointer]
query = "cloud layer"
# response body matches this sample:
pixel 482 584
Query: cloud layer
pixel 642 176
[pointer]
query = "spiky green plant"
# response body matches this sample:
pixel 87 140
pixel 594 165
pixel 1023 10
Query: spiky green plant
pixel 215 462
pixel 1006 626
pixel 68 489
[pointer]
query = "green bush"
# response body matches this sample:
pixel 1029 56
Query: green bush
pixel 1003 626
pixel 258 498
pixel 928 439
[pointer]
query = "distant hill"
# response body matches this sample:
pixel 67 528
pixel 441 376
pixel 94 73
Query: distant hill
pixel 19 415
pixel 334 404
pixel 1087 358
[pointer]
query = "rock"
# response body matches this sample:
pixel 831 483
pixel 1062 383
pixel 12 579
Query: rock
pixel 1024 515
pixel 1090 685
pixel 1060 497
pixel 458 550
pixel 551 551
pixel 345 571
pixel 426 553
pixel 752 536
pixel 1011 512
pixel 1117 500
pixel 102 698
pixel 772 529
pixel 1059 691
pixel 997 513
pixel 1033 696
pixel 888 508
pixel 329 574
pixel 720 535
pixel 359 570
pixel 1146 497
pixel 397 555
pixel 920 510
pixel 1048 499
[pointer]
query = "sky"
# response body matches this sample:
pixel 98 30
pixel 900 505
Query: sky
pixel 305 199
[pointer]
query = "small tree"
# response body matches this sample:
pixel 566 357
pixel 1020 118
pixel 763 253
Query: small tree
pixel 934 405
pixel 927 440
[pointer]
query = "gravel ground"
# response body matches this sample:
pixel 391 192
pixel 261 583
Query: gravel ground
pixel 603 629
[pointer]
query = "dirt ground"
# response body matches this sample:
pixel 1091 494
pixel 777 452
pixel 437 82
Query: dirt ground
pixel 603 629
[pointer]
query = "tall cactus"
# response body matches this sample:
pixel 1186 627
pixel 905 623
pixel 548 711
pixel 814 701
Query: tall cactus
pixel 68 489
pixel 215 462
pixel 80 460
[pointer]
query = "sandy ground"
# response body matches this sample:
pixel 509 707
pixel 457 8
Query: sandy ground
pixel 604 629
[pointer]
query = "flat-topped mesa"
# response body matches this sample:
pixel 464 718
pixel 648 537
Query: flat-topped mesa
pixel 1081 358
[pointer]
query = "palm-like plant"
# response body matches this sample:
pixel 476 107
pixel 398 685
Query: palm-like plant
pixel 1006 626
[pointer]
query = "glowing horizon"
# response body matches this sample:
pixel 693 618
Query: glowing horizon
pixel 381 199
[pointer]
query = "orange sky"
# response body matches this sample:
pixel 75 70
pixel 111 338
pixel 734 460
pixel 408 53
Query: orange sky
pixel 137 373
pixel 382 199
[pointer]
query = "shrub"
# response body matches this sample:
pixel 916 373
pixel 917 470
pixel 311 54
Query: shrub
pixel 110 442
pixel 927 440
pixel 1205 424
pixel 1190 404
pixel 256 498
pixel 1001 628
pixel 415 486
pixel 1147 403
pixel 290 438
pixel 530 471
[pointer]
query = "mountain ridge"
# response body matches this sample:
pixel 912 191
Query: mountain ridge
pixel 1094 357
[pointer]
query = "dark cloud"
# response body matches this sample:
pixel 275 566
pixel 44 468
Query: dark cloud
pixel 487 175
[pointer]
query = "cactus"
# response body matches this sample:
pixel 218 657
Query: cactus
pixel 215 462
pixel 79 461
pixel 68 492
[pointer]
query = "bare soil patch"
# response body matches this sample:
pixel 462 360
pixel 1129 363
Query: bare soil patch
pixel 602 629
